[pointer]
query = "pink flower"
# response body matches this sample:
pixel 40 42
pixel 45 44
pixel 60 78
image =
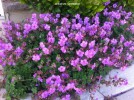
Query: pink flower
pixel 83 44
pixel 91 44
pixel 47 27
pixel 90 53
pixel 106 61
pixel 63 49
pixel 45 94
pixel 123 68
pixel 131 48
pixel 36 57
pixel 105 49
pixel 35 74
pixel 67 97
pixel 51 90
pixel 75 62
pixel 93 66
pixel 78 26
pixel 62 68
pixel 80 53
pixel 51 39
pixel 129 56
pixel 46 51
pixel 8 46
pixel 40 79
pixel 132 29
pixel 114 41
pixel 78 37
pixel 42 45
pixel 84 62
pixel 70 86
pixel 62 40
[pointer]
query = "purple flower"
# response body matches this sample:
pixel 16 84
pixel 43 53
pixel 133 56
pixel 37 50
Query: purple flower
pixel 2 54
pixel 47 27
pixel 129 57
pixel 63 49
pixel 80 53
pixel 78 37
pixel 46 19
pixel 123 22
pixel 8 46
pixel 107 40
pixel 27 27
pixel 42 45
pixel 102 33
pixel 35 75
pixel 51 39
pixel 18 51
pixel 62 68
pixel 91 44
pixel 40 79
pixel 64 75
pixel 107 3
pixel 45 94
pixel 122 38
pixel 46 51
pixel 67 97
pixel 54 80
pixel 90 53
pixel 127 43
pixel 114 41
pixel 62 40
pixel 83 44
pixel 70 86
pixel 132 48
pixel 75 62
pixel 77 16
pixel 84 62
pixel 114 5
pixel 115 15
pixel 34 26
pixel 86 20
pixel 51 90
pixel 93 66
pixel 64 20
pixel 78 26
pixel 35 57
pixel 58 15
pixel 92 29
pixel 107 26
pixel 105 49
pixel 18 34
pixel 106 61
pixel 132 28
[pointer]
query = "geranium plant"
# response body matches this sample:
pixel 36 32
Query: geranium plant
pixel 50 55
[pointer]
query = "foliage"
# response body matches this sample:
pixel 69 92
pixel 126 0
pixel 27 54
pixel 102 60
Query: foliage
pixel 128 4
pixel 64 7
pixel 52 55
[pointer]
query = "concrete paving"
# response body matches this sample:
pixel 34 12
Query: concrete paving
pixel 114 90
pixel 126 96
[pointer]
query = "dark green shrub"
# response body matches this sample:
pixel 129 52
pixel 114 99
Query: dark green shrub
pixel 83 7
pixel 128 4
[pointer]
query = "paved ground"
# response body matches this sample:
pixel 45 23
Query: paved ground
pixel 126 96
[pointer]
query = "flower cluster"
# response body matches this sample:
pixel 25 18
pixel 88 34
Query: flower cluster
pixel 63 51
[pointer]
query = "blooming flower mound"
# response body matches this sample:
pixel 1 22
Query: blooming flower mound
pixel 63 55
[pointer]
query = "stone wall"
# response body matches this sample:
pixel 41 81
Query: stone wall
pixel 16 11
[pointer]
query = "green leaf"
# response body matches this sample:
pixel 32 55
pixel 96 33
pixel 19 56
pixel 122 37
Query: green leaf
pixel 34 90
